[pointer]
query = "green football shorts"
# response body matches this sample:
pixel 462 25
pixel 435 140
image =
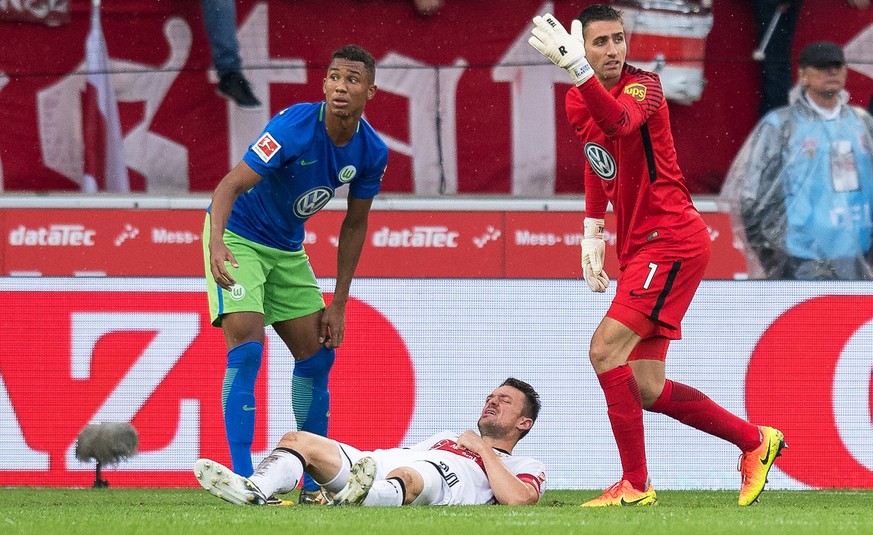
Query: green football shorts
pixel 279 284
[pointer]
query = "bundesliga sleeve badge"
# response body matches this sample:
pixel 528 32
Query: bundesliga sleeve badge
pixel 266 147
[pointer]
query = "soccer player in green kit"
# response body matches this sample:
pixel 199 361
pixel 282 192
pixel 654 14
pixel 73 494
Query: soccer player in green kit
pixel 257 271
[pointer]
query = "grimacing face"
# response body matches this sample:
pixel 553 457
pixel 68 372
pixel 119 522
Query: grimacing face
pixel 502 412
pixel 605 50
pixel 347 88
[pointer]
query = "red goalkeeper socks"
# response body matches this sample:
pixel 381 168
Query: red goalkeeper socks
pixel 692 407
pixel 625 411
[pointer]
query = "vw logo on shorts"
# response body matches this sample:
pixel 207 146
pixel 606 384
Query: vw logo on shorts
pixel 347 173
pixel 312 201
pixel 237 292
pixel 601 161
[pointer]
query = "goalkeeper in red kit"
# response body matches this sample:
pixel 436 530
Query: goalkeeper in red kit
pixel 620 114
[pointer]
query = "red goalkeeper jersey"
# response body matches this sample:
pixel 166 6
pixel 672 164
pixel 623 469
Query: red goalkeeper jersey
pixel 631 161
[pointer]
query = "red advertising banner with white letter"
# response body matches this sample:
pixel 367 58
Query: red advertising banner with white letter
pixel 444 244
pixel 464 103
pixel 420 356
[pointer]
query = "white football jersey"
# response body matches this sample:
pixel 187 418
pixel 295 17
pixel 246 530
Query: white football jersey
pixel 462 470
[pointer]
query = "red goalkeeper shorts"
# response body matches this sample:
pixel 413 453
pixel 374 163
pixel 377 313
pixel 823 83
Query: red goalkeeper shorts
pixel 656 287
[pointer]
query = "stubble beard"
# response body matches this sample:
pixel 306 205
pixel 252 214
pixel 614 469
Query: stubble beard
pixel 491 429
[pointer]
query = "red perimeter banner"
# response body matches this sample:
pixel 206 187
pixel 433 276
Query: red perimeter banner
pixel 400 244
pixel 141 350
pixel 465 104
pixel 153 359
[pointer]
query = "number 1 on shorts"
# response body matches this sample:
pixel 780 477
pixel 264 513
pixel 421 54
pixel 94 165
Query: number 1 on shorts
pixel 652 268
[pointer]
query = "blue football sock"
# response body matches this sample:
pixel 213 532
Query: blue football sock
pixel 238 403
pixel 311 398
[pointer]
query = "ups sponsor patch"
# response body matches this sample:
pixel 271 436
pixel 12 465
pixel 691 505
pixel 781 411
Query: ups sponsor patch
pixel 638 91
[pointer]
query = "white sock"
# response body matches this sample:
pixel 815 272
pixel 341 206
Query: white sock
pixel 278 473
pixel 339 480
pixel 385 492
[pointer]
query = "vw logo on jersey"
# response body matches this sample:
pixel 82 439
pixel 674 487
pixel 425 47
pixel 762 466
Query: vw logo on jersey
pixel 601 161
pixel 347 173
pixel 312 201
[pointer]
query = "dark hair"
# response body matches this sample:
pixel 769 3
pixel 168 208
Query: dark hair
pixel 532 403
pixel 357 53
pixel 599 12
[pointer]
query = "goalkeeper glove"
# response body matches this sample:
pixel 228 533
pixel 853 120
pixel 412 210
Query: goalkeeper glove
pixel 576 31
pixel 593 251
pixel 564 50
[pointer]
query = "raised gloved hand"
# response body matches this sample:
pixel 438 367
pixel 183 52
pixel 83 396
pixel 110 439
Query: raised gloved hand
pixel 593 252
pixel 564 50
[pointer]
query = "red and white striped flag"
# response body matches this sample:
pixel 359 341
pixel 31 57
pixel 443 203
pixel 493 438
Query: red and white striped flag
pixel 104 169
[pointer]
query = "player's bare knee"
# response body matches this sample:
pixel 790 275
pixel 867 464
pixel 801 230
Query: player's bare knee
pixel 596 359
pixel 601 356
pixel 299 441
pixel 413 483
pixel 288 440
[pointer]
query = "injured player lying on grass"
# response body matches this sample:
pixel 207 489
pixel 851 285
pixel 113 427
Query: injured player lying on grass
pixel 446 469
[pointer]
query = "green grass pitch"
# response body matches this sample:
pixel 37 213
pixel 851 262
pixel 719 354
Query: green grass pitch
pixel 190 512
